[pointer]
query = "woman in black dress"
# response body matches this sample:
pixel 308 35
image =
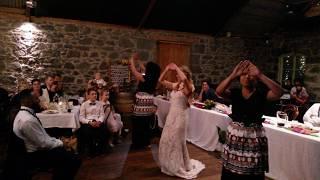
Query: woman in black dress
pixel 144 109
pixel 245 154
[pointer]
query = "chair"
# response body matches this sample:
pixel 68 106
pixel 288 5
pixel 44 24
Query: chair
pixel 16 163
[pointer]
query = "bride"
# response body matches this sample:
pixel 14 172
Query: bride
pixel 173 153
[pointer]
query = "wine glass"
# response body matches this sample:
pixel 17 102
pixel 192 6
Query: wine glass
pixel 282 118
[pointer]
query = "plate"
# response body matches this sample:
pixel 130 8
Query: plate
pixel 50 112
pixel 303 130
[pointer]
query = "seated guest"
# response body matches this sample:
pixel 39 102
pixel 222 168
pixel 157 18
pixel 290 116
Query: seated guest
pixel 42 150
pixel 113 120
pixel 92 119
pixel 50 87
pixel 48 81
pixel 98 80
pixel 92 85
pixel 206 92
pixel 59 80
pixel 299 97
pixel 53 92
pixel 313 115
pixel 299 93
pixel 42 94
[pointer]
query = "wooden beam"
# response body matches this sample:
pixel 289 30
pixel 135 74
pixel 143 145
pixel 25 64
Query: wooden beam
pixel 146 14
pixel 313 11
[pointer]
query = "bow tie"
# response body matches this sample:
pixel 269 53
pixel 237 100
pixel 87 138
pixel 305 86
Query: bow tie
pixel 92 104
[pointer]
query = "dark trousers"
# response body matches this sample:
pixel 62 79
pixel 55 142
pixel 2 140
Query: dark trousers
pixel 141 133
pixel 65 165
pixel 59 132
pixel 93 138
pixel 228 175
pixel 302 111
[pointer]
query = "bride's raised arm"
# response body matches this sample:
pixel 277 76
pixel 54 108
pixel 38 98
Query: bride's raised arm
pixel 163 81
pixel 189 88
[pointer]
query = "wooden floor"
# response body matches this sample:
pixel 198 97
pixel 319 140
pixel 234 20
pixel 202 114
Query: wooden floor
pixel 123 163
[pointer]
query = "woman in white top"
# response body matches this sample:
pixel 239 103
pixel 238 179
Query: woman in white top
pixel 42 94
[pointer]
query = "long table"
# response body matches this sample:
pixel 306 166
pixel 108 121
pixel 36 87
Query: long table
pixel 61 120
pixel 202 125
pixel 292 156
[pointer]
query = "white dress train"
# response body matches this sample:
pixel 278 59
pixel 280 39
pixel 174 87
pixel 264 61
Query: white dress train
pixel 173 153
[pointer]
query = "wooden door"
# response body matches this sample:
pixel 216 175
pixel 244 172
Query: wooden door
pixel 178 53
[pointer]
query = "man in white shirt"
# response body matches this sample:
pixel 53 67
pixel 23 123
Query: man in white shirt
pixel 93 129
pixel 42 150
pixel 313 115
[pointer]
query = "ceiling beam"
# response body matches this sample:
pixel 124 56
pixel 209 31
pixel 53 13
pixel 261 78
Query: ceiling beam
pixel 231 16
pixel 146 14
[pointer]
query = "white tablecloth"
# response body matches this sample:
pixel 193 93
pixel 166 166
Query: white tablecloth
pixel 202 125
pixel 61 120
pixel 292 156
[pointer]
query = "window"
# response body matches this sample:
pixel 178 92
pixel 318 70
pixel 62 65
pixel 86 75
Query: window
pixel 291 66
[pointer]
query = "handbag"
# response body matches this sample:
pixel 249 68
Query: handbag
pixel 112 124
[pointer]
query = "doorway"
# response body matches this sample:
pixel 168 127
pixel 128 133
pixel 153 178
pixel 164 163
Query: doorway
pixel 176 52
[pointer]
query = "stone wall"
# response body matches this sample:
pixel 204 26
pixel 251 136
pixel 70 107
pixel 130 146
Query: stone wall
pixel 307 44
pixel 78 49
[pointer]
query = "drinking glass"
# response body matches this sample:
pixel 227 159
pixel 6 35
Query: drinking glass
pixel 282 118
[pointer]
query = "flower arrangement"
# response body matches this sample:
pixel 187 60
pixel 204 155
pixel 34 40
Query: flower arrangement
pixel 209 104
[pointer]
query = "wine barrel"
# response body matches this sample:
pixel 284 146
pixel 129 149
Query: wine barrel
pixel 124 102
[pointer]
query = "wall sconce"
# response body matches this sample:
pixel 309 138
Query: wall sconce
pixel 30 4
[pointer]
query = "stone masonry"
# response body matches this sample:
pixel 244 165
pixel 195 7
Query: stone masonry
pixel 78 49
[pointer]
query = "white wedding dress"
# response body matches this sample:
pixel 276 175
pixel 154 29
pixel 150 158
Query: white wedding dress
pixel 173 153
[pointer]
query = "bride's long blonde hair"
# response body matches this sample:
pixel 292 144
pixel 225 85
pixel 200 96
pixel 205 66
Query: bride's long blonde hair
pixel 186 70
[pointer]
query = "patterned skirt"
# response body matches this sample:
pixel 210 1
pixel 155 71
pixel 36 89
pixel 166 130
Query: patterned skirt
pixel 246 149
